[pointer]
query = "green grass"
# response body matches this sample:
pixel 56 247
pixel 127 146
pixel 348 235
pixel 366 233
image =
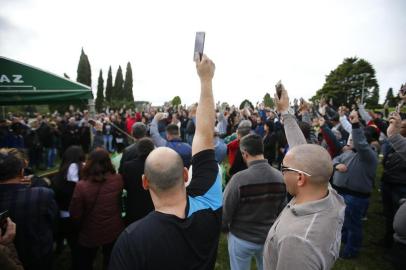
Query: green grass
pixel 371 256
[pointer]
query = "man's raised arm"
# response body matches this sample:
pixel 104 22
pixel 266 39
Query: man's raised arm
pixel 293 133
pixel 205 114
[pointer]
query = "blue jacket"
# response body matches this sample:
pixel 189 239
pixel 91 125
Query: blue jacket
pixel 183 149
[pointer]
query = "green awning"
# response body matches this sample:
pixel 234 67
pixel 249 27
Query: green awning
pixel 22 84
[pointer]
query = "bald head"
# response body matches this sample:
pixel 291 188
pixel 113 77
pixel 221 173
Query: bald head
pixel 313 159
pixel 164 169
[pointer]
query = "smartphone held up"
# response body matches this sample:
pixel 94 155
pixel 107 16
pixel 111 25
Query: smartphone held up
pixel 279 87
pixel 199 46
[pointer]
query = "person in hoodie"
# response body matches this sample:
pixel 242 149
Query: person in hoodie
pixel 355 171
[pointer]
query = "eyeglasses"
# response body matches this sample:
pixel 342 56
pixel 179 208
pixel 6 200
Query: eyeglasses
pixel 284 169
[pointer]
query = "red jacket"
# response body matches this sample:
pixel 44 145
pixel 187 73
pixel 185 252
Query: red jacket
pixel 129 124
pixel 99 215
pixel 232 148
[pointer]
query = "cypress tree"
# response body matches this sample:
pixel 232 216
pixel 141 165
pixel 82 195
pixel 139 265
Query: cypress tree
pixel 118 85
pixel 109 86
pixel 84 73
pixel 128 83
pixel 100 88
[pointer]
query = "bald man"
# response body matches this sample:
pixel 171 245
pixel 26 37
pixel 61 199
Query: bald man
pixel 183 231
pixel 307 233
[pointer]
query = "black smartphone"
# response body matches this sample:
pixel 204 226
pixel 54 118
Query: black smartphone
pixel 3 221
pixel 199 46
pixel 279 88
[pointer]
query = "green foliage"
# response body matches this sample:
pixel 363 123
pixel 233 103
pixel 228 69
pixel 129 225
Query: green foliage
pixel 344 84
pixel 246 103
pixel 373 101
pixel 128 83
pixel 268 101
pixel 176 101
pixel 100 88
pixel 109 86
pixel 391 99
pixel 118 92
pixel 84 71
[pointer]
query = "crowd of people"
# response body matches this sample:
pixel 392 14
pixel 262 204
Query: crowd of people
pixel 154 188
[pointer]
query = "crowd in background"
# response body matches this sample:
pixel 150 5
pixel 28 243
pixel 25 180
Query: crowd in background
pixel 97 191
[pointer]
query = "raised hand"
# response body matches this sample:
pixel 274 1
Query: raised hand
pixel 354 117
pixel 395 123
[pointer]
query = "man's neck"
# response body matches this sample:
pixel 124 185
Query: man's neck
pixel 172 202
pixel 315 195
pixel 254 158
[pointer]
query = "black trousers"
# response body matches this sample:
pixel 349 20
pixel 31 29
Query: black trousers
pixel 391 194
pixel 86 256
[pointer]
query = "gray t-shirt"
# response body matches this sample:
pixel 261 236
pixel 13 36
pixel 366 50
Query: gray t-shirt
pixel 306 236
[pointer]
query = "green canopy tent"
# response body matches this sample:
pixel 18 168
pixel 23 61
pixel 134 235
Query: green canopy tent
pixel 22 84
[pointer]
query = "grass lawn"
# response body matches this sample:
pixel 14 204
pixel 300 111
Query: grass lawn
pixel 371 256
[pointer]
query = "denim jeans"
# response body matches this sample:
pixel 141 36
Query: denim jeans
pixel 352 227
pixel 108 142
pixel 51 155
pixel 242 251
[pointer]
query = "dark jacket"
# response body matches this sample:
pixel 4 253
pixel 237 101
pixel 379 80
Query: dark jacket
pixel 95 207
pixel 138 203
pixel 34 211
pixel 394 168
pixel 129 153
pixel 253 200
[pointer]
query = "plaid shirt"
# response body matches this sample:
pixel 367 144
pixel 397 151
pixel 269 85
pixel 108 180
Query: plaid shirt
pixel 34 210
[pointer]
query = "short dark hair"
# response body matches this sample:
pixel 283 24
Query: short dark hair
pixel 97 165
pixel 252 144
pixel 139 130
pixel 172 129
pixel 10 165
pixel 144 147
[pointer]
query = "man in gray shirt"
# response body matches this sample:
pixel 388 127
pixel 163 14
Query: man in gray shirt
pixel 307 233
pixel 252 201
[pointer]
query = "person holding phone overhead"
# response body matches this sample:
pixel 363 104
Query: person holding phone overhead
pixel 307 233
pixel 183 232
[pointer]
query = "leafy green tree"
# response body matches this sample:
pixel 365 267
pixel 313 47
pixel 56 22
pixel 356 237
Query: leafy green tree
pixel 268 101
pixel 390 98
pixel 128 84
pixel 373 100
pixel 344 84
pixel 109 86
pixel 118 93
pixel 84 73
pixel 246 103
pixel 176 101
pixel 100 88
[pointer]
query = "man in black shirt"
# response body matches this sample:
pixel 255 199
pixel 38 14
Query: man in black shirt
pixel 183 231
pixel 138 203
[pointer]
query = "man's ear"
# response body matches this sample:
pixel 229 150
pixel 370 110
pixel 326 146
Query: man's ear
pixel 145 182
pixel 301 180
pixel 185 174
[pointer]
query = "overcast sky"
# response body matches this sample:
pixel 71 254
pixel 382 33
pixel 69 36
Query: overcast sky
pixel 253 43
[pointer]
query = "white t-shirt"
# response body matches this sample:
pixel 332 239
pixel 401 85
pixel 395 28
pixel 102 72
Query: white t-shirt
pixel 73 173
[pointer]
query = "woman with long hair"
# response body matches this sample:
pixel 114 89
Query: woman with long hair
pixel 95 208
pixel 63 183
